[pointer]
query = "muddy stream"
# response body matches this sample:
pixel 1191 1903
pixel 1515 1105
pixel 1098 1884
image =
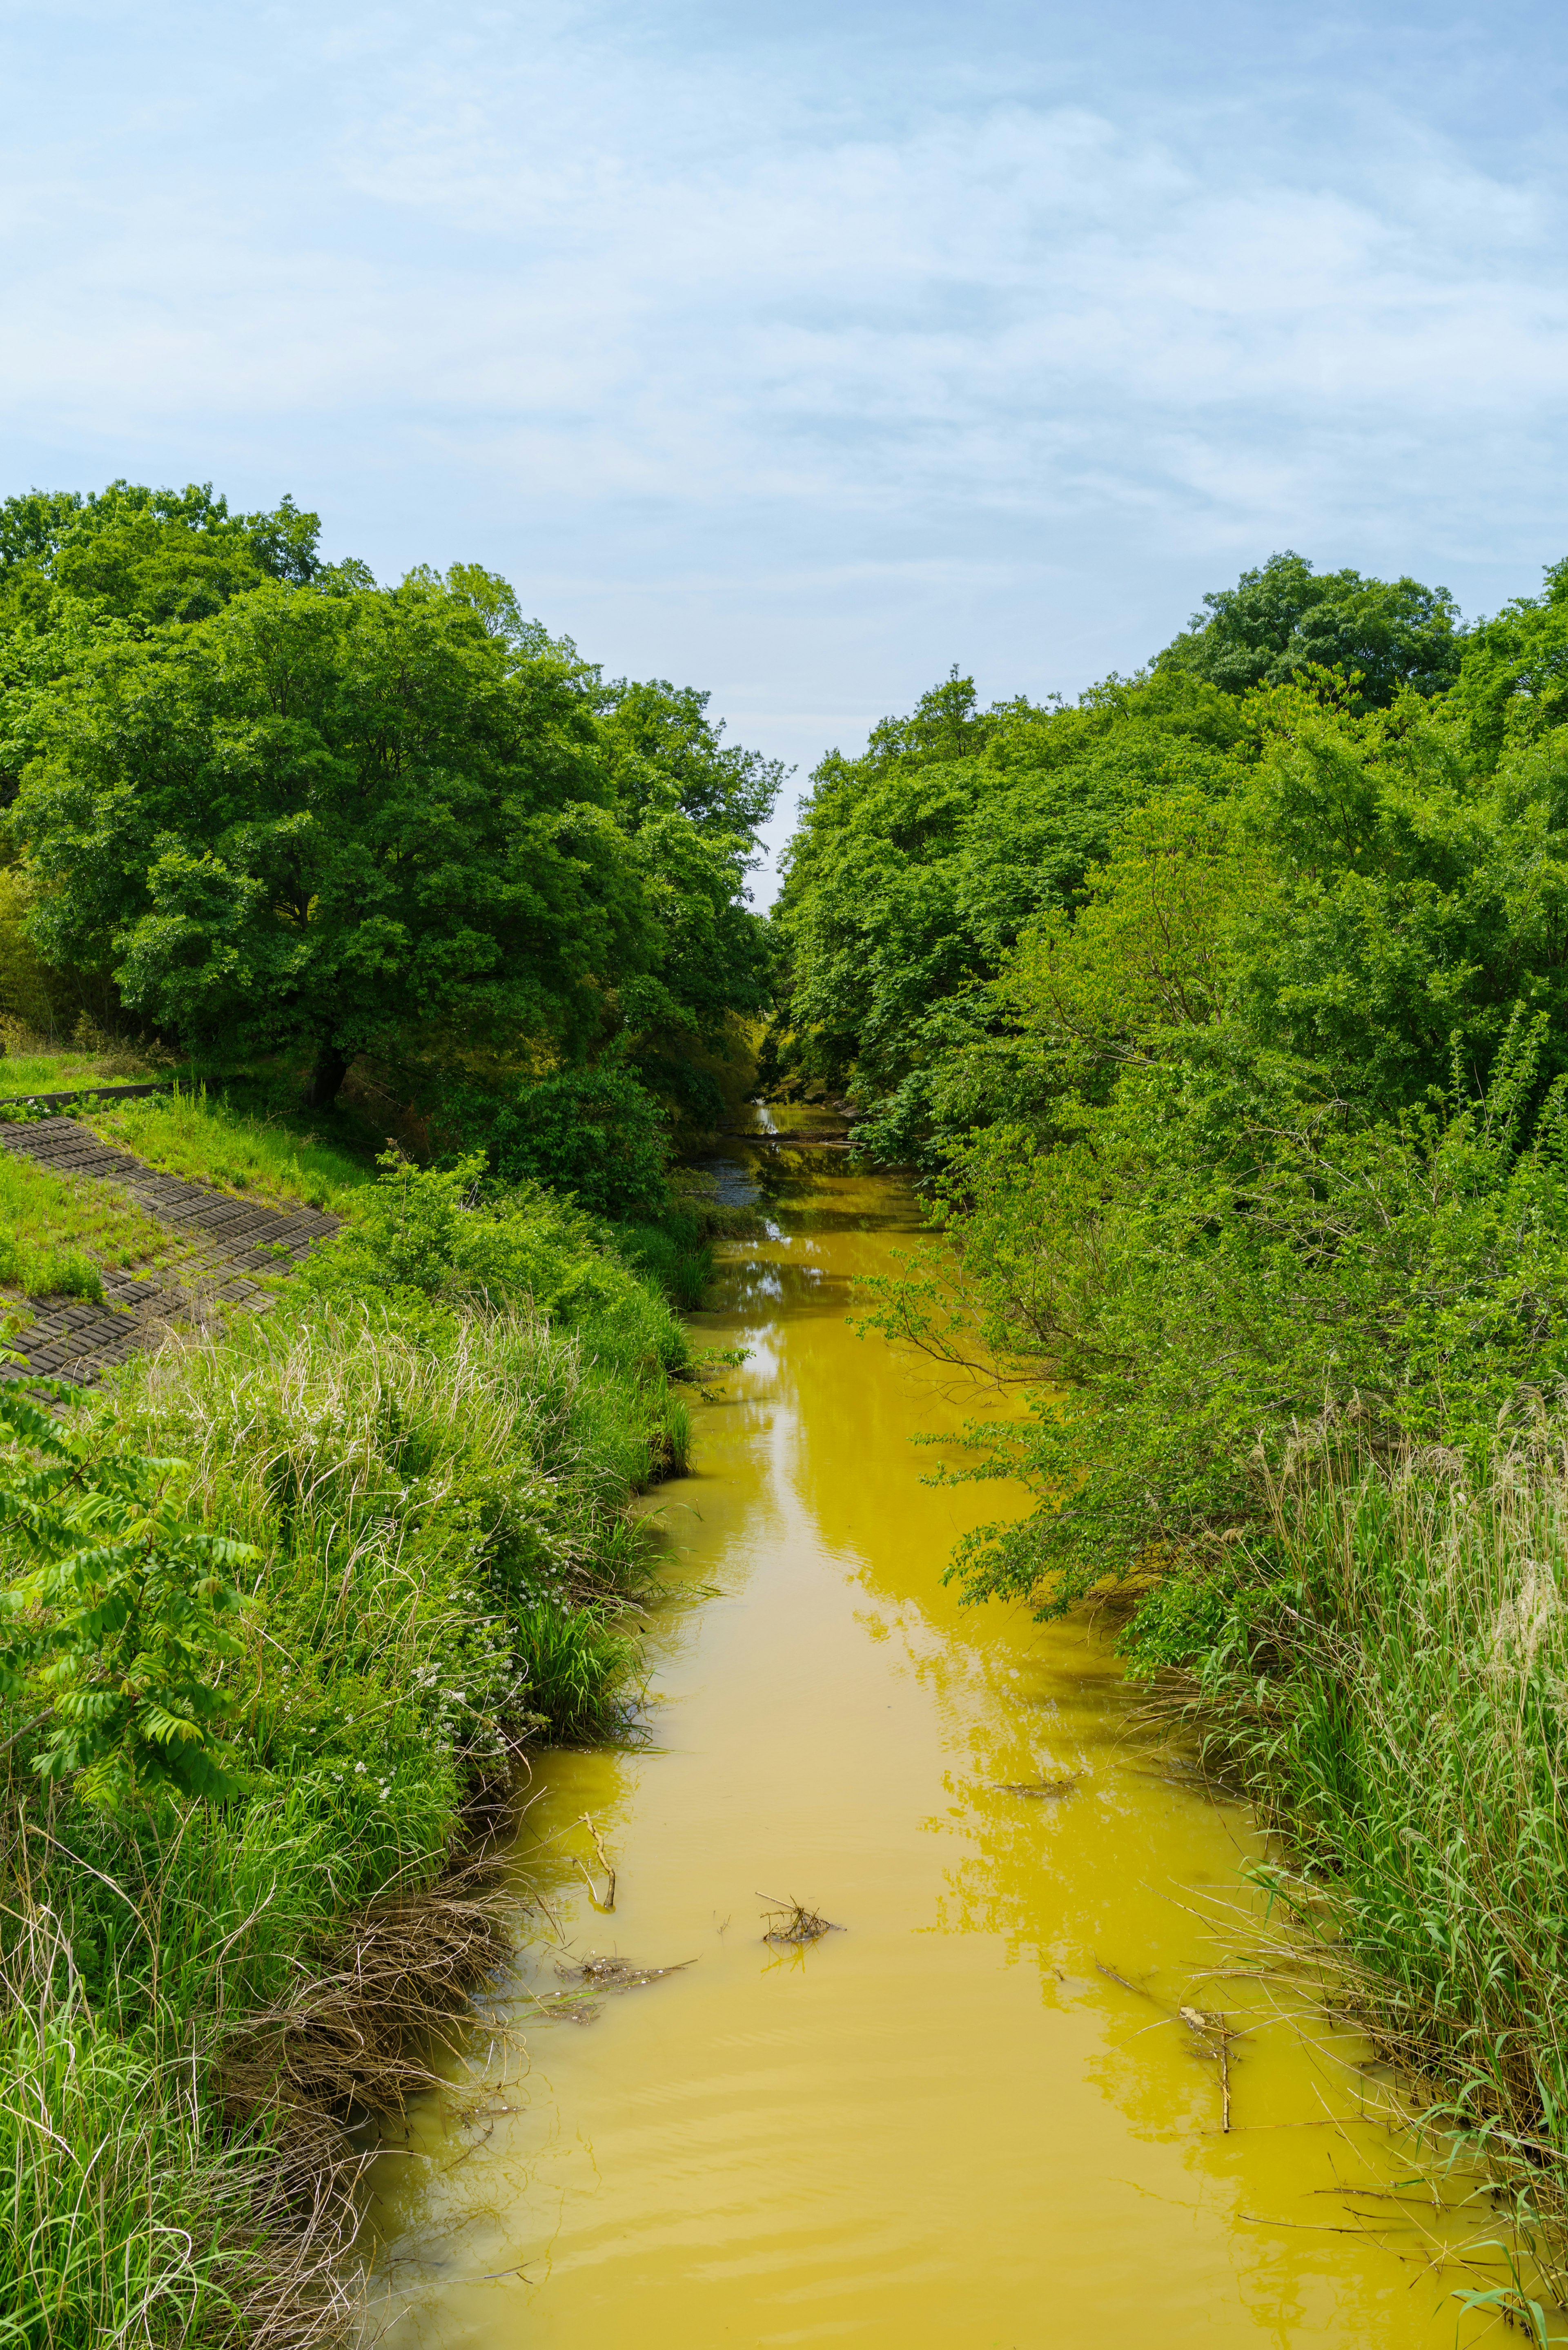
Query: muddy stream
pixel 949 2121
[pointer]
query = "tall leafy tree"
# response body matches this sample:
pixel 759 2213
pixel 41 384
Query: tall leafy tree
pixel 1512 687
pixel 1391 635
pixel 337 821
pixel 917 866
pixel 143 556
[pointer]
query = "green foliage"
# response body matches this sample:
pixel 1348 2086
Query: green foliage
pixel 1213 1261
pixel 329 821
pixel 266 805
pixel 915 870
pixel 677 1253
pixel 574 1660
pixel 1513 685
pixel 143 556
pixel 50 1271
pixel 1412 901
pixel 117 1620
pixel 594 1133
pixel 1279 622
pixel 416 1467
pixel 668 753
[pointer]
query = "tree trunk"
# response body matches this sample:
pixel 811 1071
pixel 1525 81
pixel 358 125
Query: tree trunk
pixel 331 1068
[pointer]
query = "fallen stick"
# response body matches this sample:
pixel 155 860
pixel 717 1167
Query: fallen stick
pixel 608 1900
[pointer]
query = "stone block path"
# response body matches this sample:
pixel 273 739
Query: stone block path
pixel 228 1238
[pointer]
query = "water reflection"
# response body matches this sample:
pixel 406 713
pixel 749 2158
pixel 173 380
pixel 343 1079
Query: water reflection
pixel 978 2113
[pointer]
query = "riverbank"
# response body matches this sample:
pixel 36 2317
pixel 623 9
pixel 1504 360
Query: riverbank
pixel 419 1460
pixel 976 2111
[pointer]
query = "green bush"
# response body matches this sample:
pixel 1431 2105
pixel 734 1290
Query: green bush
pixel 594 1133
pixel 1211 1261
pixel 399 1542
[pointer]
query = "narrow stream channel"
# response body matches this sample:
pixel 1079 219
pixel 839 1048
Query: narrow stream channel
pixel 945 2124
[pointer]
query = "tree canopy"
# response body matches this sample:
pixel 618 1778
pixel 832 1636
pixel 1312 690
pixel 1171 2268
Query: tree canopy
pixel 281 809
pixel 1390 636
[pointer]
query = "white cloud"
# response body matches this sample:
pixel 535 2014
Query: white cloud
pixel 802 362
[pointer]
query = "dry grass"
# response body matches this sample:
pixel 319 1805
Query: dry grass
pixel 366 2031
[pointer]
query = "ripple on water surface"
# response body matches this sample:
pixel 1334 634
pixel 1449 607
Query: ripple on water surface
pixel 976 2114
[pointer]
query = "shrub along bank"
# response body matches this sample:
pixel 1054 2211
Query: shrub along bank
pixel 276 1614
pixel 1248 1142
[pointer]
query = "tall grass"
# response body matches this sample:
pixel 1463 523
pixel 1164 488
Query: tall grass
pixel 678 1252
pixel 131 2213
pixel 1394 1686
pixel 435 1488
pixel 192 1133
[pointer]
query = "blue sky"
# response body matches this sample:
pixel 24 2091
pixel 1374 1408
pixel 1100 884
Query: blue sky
pixel 800 351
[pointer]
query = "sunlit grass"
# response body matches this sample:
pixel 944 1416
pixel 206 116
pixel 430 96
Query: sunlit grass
pixel 200 1135
pixel 26 1072
pixel 48 1221
pixel 1394 1694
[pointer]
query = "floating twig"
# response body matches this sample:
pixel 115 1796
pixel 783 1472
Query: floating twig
pixel 1136 1989
pixel 1216 2035
pixel 800 1926
pixel 594 1977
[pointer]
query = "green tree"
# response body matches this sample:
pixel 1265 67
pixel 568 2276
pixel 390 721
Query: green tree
pixel 337 820
pixel 143 556
pixel 1414 900
pixel 915 869
pixel 1393 635
pixel 1512 687
pixel 668 755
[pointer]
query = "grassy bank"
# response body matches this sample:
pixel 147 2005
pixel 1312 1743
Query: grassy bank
pixel 1252 1167
pixel 1389 1671
pixel 417 1468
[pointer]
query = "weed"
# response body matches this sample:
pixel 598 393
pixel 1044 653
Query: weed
pixel 192 1133
pixel 49 1223
pixel 1391 1679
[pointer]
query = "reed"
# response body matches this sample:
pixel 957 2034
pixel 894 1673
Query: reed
pixel 1392 1682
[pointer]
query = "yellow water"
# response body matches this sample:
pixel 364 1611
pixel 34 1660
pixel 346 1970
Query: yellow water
pixel 943 2124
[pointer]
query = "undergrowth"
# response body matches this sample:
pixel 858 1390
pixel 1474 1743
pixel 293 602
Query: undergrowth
pixel 194 1133
pixel 1385 1665
pixel 420 1462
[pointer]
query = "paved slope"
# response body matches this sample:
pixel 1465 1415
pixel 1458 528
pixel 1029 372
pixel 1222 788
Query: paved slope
pixel 228 1239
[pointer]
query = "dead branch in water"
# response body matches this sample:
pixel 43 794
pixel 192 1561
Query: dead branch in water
pixel 606 1900
pixel 1216 2034
pixel 798 1926
pixel 596 1976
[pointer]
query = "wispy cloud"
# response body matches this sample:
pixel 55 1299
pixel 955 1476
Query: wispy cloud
pixel 796 355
